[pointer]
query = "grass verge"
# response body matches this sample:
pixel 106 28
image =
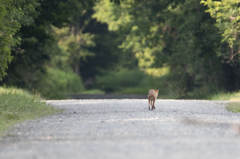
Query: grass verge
pixel 234 96
pixel 233 107
pixel 17 105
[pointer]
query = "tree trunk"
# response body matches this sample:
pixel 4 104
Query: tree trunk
pixel 77 71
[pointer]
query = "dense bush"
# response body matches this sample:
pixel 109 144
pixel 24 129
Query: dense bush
pixel 115 81
pixel 138 82
pixel 57 82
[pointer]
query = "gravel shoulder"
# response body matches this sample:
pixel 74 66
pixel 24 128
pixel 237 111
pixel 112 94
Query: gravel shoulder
pixel 120 129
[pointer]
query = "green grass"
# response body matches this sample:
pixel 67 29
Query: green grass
pixel 233 107
pixel 17 105
pixel 234 96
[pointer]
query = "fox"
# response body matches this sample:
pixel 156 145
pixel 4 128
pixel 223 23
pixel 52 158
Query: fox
pixel 152 96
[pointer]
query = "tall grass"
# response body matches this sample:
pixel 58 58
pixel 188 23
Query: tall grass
pixel 17 105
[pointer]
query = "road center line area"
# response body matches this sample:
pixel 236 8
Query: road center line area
pixel 126 129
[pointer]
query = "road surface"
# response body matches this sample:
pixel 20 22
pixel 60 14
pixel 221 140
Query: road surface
pixel 126 129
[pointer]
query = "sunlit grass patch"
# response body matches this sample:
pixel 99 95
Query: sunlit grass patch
pixel 17 105
pixel 233 107
pixel 235 96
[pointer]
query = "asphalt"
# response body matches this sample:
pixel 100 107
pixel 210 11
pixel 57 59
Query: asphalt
pixel 126 129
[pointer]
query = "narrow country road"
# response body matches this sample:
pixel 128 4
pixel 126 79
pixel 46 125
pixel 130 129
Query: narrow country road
pixel 126 129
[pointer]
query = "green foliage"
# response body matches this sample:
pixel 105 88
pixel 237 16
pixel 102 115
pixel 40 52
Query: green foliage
pixel 176 34
pixel 229 96
pixel 12 15
pixel 107 55
pixel 104 44
pixel 78 38
pixel 76 47
pixel 17 105
pixel 5 58
pixel 135 90
pixel 6 30
pixel 233 107
pixel 93 91
pixel 38 42
pixel 227 17
pixel 138 82
pixel 114 81
pixel 56 83
pixel 142 36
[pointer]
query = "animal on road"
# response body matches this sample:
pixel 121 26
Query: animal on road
pixel 152 96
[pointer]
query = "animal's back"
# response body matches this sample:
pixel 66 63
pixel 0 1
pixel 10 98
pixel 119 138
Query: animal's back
pixel 152 94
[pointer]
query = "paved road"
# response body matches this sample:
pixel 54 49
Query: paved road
pixel 126 129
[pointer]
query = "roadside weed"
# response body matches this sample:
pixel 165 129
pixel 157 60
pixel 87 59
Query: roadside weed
pixel 17 105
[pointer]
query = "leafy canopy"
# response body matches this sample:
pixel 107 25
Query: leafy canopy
pixel 12 15
pixel 227 14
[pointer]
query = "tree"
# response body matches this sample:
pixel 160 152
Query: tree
pixel 177 34
pixel 227 14
pixel 76 46
pixel 12 15
pixel 38 43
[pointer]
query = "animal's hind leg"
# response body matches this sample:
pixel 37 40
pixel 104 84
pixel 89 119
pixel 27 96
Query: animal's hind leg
pixel 149 104
pixel 153 104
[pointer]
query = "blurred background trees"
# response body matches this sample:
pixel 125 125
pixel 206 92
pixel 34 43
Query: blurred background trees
pixel 13 14
pixel 185 48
